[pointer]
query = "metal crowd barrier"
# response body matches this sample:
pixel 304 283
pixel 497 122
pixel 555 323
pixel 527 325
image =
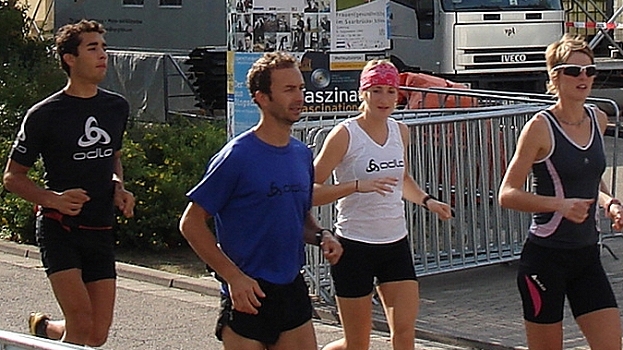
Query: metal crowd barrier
pixel 460 156
pixel 17 341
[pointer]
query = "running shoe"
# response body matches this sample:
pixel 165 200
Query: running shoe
pixel 37 323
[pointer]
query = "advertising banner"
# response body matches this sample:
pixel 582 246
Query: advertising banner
pixel 302 25
pixel 245 112
pixel 360 25
pixel 333 39
pixel 331 81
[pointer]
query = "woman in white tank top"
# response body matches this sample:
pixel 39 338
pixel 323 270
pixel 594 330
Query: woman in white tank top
pixel 366 155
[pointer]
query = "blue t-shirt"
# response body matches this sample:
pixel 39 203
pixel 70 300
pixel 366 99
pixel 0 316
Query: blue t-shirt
pixel 259 196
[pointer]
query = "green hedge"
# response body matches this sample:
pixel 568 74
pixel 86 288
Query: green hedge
pixel 28 73
pixel 17 215
pixel 161 163
pixel 28 69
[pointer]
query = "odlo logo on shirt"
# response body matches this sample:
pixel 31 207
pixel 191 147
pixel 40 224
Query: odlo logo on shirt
pixel 277 190
pixel 374 166
pixel 93 135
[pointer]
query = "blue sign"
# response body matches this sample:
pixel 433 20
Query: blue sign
pixel 246 113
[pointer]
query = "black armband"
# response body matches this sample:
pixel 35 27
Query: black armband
pixel 426 199
pixel 610 203
pixel 319 235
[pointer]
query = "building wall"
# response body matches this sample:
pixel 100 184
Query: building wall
pixel 151 26
pixel 42 13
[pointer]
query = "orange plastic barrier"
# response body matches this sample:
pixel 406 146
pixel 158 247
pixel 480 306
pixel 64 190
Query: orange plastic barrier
pixel 418 100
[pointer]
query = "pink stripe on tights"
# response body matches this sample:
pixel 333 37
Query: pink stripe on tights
pixel 534 295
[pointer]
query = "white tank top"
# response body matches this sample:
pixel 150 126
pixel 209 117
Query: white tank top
pixel 371 217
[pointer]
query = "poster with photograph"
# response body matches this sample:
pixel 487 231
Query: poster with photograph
pixel 328 37
pixel 304 25
pixel 268 25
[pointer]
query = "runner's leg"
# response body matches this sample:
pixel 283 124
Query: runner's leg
pixel 301 337
pixel 401 303
pixel 102 296
pixel 74 300
pixel 356 319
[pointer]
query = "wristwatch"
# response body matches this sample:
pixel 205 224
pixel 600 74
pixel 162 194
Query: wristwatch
pixel 610 203
pixel 319 235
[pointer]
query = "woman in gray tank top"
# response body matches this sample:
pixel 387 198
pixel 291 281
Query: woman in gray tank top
pixel 562 147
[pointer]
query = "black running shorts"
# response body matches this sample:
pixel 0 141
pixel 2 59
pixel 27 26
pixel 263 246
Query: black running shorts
pixel 546 275
pixel 91 251
pixel 285 307
pixel 353 275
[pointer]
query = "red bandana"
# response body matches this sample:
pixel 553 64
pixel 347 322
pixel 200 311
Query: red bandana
pixel 380 74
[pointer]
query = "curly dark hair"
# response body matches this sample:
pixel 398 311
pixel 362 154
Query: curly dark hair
pixel 67 38
pixel 259 76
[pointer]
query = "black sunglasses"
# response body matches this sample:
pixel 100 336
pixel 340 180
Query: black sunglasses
pixel 575 70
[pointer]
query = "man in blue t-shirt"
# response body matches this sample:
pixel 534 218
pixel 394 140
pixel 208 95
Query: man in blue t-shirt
pixel 258 188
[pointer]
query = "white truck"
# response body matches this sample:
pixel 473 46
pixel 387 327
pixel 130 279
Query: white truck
pixel 488 43
pixel 484 42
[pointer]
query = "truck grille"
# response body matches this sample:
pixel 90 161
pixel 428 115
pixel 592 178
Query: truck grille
pixel 502 60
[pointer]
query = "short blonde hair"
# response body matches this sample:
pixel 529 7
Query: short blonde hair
pixel 558 53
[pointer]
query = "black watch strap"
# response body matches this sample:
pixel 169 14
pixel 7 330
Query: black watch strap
pixel 319 235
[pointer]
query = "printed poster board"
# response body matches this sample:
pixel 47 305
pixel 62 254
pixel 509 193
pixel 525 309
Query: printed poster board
pixel 332 38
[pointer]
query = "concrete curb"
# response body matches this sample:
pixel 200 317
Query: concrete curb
pixel 211 287
pixel 139 273
pixel 460 341
pixel 167 279
pixel 23 250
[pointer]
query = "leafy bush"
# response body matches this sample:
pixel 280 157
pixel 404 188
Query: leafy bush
pixel 161 163
pixel 28 73
pixel 17 215
pixel 28 70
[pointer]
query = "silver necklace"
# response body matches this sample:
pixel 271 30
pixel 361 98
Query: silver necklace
pixel 584 117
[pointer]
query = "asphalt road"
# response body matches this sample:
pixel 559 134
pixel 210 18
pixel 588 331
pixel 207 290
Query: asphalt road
pixel 147 315
pixel 156 310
